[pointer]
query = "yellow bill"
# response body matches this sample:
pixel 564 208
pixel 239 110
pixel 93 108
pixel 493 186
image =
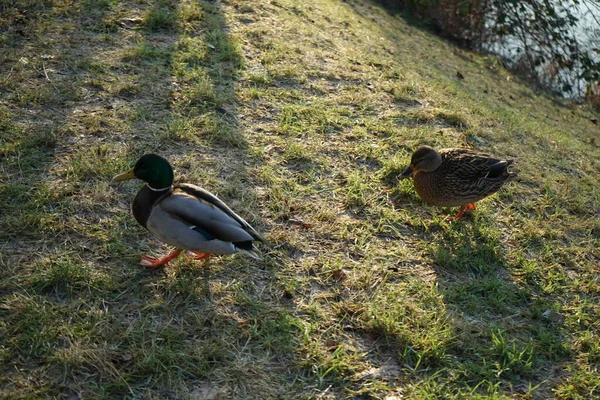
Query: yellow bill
pixel 124 176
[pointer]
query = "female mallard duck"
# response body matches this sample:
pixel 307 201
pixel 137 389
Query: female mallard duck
pixel 456 177
pixel 185 216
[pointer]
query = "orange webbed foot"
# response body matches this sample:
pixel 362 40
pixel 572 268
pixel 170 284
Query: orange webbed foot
pixel 463 209
pixel 201 256
pixel 153 262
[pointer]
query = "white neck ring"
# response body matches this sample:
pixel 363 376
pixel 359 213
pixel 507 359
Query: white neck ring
pixel 159 190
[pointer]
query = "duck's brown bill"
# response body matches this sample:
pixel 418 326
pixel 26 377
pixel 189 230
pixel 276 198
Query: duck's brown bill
pixel 407 173
pixel 124 176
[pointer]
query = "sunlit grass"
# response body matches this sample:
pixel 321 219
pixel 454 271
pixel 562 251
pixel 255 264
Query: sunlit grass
pixel 300 116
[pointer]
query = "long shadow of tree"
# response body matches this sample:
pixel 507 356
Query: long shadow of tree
pixel 151 76
pixel 473 328
pixel 504 333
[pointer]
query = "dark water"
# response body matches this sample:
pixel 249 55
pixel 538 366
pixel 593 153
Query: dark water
pixel 587 32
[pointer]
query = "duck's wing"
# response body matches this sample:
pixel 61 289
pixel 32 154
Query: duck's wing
pixel 473 166
pixel 205 212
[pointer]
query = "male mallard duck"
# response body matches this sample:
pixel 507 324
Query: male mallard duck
pixel 456 177
pixel 185 216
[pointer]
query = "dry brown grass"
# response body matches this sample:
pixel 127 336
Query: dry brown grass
pixel 300 116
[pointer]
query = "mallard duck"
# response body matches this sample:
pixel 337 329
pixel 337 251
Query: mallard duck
pixel 456 177
pixel 186 216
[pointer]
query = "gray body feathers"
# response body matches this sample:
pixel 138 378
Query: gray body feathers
pixel 191 218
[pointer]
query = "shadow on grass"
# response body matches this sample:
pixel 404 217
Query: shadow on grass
pixel 503 336
pixel 498 336
pixel 73 296
pixel 470 325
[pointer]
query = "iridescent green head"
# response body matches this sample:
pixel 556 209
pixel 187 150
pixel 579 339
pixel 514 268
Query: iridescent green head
pixel 152 169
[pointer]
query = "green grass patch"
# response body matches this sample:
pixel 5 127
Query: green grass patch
pixel 301 117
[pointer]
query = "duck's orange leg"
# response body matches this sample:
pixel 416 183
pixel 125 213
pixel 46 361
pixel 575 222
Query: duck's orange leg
pixel 463 209
pixel 201 256
pixel 152 262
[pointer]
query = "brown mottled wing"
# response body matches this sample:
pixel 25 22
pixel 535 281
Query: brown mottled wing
pixel 474 172
pixel 467 164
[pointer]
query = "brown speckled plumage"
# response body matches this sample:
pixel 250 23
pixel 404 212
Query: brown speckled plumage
pixel 456 177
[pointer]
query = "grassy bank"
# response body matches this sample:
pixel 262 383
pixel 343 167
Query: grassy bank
pixel 300 116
